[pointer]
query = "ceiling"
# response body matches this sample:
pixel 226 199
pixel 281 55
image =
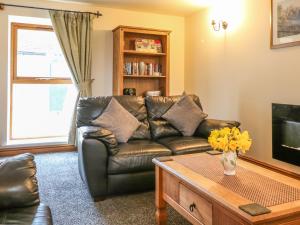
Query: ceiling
pixel 172 7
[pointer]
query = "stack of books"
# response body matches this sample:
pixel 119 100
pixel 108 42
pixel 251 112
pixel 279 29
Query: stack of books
pixel 141 68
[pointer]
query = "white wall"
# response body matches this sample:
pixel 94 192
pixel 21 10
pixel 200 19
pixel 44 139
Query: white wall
pixel 102 44
pixel 238 76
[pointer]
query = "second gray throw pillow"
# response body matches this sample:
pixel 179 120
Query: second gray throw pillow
pixel 185 116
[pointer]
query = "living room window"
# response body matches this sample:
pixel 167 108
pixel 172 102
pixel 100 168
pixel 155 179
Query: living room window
pixel 41 93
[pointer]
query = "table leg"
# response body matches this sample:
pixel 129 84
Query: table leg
pixel 161 213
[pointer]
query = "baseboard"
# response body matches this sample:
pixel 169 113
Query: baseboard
pixel 36 150
pixel 270 167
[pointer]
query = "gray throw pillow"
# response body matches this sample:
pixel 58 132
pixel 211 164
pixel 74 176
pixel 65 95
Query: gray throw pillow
pixel 118 120
pixel 185 116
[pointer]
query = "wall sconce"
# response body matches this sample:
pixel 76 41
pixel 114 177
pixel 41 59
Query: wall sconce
pixel 217 25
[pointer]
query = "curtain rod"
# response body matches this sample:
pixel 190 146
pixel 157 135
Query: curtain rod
pixel 32 7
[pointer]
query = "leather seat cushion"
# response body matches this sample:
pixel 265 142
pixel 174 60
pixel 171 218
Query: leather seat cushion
pixel 185 145
pixel 35 215
pixel 136 156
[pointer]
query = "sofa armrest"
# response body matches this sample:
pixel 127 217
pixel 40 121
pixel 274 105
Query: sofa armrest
pixel 103 135
pixel 18 183
pixel 92 158
pixel 208 125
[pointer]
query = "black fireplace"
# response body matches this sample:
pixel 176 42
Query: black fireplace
pixel 286 133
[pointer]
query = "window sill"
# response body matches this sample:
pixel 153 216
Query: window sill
pixel 36 147
pixel 36 142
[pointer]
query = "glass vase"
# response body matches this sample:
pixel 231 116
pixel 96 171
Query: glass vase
pixel 229 162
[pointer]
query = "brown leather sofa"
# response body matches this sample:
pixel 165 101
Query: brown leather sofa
pixel 131 169
pixel 19 196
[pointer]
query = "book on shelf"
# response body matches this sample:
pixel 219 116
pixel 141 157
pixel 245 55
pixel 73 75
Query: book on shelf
pixel 128 68
pixel 135 68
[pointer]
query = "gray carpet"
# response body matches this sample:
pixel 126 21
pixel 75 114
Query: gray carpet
pixel 62 189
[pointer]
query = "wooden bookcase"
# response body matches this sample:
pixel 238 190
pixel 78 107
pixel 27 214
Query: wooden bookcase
pixel 124 51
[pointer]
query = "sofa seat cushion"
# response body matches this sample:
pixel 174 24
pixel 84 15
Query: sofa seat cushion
pixel 136 156
pixel 35 215
pixel 185 145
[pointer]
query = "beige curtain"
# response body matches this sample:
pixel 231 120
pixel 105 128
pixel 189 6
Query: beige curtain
pixel 74 31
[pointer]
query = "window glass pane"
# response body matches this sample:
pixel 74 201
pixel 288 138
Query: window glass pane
pixel 42 110
pixel 39 55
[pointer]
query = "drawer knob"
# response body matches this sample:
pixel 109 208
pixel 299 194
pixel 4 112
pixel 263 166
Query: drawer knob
pixel 192 207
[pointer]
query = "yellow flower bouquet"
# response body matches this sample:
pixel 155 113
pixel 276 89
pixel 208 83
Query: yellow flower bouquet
pixel 230 139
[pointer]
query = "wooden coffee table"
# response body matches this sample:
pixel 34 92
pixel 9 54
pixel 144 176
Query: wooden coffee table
pixel 194 185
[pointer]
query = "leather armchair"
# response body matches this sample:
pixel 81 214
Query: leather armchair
pixel 19 197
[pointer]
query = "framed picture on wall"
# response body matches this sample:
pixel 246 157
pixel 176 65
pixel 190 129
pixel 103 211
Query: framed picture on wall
pixel 285 23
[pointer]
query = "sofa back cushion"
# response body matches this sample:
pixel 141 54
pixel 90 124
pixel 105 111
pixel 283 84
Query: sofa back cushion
pixel 90 108
pixel 157 107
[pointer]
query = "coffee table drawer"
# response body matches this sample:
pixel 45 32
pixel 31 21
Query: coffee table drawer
pixel 197 206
